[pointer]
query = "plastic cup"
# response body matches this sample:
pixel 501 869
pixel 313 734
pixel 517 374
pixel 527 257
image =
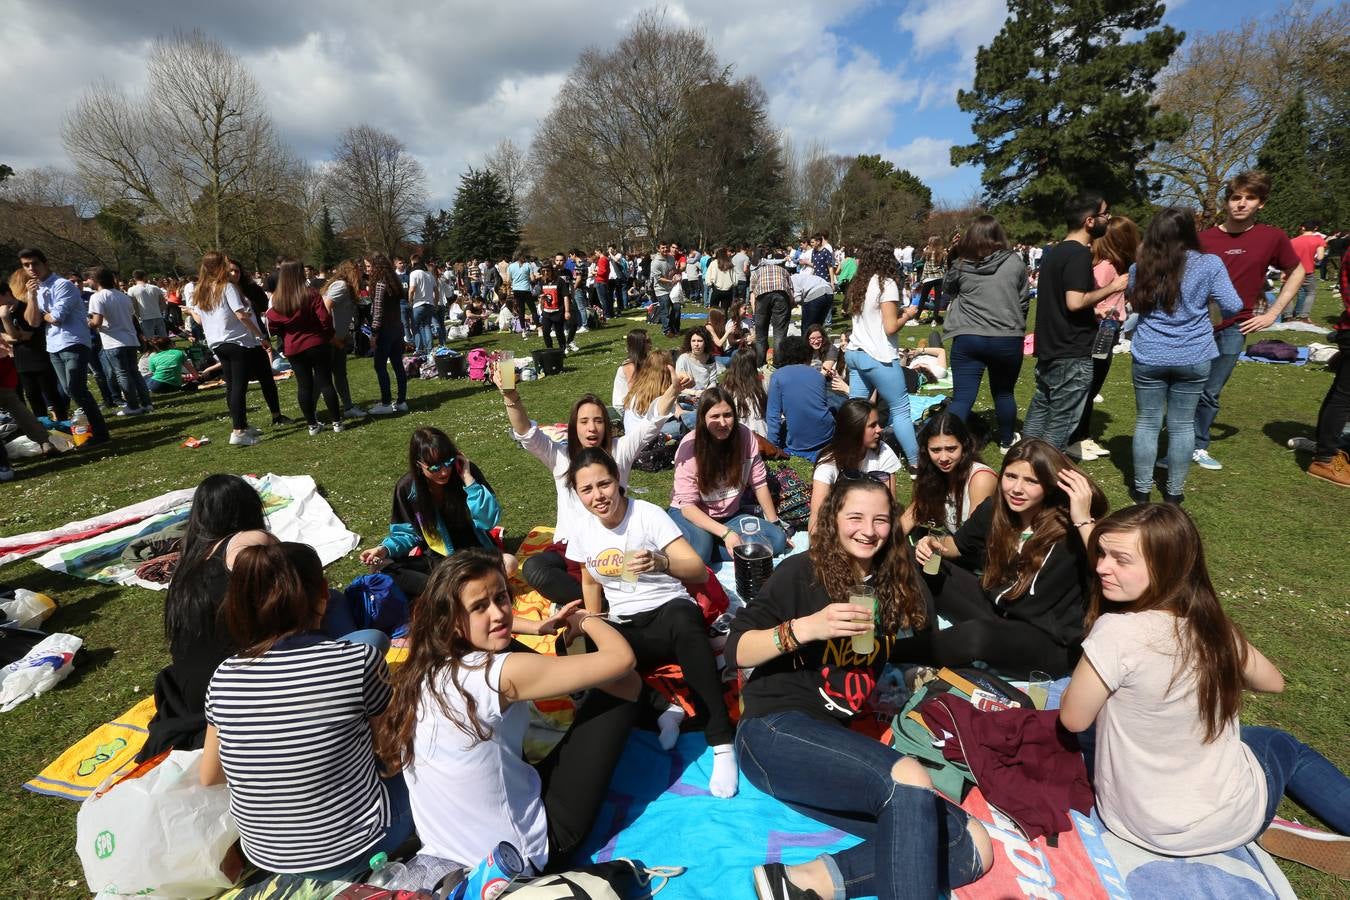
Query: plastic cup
pixel 506 369
pixel 1038 688
pixel 628 574
pixel 861 595
pixel 932 564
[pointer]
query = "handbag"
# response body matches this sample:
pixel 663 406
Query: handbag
pixel 619 879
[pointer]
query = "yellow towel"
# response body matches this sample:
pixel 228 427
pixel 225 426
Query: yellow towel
pixel 109 749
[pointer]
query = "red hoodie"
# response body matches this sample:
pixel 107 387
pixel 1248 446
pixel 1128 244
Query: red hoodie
pixel 310 326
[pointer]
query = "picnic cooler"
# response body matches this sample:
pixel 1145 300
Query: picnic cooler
pixel 548 362
pixel 451 365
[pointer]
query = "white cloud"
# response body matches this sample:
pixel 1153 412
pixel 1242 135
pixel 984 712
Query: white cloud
pixel 929 158
pixel 937 25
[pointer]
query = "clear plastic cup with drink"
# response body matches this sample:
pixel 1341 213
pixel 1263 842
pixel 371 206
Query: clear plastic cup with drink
pixel 506 369
pixel 937 532
pixel 1038 688
pixel 863 595
pixel 629 555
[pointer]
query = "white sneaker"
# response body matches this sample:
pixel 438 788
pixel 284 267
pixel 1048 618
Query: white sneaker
pixel 337 428
pixel 1202 459
pixel 314 429
pixel 1079 452
pixel 401 406
pixel 243 439
pixel 354 412
pixel 573 348
pixel 382 409
pixel 126 411
pixel 1302 443
pixel 1099 399
pixel 582 330
pixel 1093 447
pixel 1004 448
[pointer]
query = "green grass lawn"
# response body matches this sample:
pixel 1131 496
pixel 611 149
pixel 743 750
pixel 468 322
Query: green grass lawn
pixel 1276 542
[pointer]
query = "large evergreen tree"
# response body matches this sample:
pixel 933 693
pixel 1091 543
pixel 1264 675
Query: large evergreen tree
pixel 1062 104
pixel 327 245
pixel 877 199
pixel 485 223
pixel 1294 197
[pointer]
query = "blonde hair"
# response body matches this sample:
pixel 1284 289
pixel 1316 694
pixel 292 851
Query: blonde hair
pixel 649 382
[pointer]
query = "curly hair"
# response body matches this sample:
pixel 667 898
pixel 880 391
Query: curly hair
pixel 900 597
pixel 876 259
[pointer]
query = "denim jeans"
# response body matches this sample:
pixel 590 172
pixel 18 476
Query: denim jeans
pixel 814 311
pixel 398 830
pixel 710 550
pixel 1173 391
pixel 772 310
pixel 888 380
pixel 406 317
pixel 389 349
pixel 606 299
pixel 424 327
pixel 154 328
pixel 1002 356
pixel 1057 404
pixel 1308 777
pixel 1335 410
pixel 1307 292
pixel 72 370
pixel 1231 342
pixel 120 363
pixel 915 843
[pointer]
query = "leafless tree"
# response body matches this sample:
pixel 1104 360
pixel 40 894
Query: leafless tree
pixel 377 188
pixel 48 207
pixel 196 151
pixel 509 163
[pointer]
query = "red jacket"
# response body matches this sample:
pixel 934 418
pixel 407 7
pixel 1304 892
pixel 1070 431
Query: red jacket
pixel 309 327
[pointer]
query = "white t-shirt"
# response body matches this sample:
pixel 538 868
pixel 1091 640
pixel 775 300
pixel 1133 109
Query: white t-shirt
pixel 149 300
pixel 468 795
pixel 118 330
pixel 645 526
pixel 882 459
pixel 619 393
pixel 222 326
pixel 705 374
pixel 421 287
pixel 1159 785
pixel 869 331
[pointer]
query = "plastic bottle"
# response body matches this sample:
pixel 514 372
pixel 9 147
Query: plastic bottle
pixel 1107 330
pixel 384 873
pixel 79 428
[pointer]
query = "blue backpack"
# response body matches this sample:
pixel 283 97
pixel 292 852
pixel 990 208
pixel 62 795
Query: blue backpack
pixel 376 602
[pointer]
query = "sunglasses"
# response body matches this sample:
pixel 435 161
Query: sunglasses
pixel 445 465
pixel 859 475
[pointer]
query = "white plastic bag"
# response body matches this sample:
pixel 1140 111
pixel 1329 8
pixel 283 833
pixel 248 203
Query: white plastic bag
pixel 41 669
pixel 162 834
pixel 28 609
pixel 677 293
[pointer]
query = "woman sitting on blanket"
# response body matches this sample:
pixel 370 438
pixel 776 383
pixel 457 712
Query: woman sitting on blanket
pixel 952 481
pixel 1162 676
pixel 856 451
pixel 638 345
pixel 457 720
pixel 635 563
pixel 588 426
pixel 808 683
pixel 226 516
pixel 1025 611
pixel 442 503
pixel 290 725
pixel 721 482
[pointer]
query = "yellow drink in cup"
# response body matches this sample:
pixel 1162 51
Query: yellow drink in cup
pixel 862 595
pixel 506 369
pixel 628 574
pixel 933 564
pixel 1038 688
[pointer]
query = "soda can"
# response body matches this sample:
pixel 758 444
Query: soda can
pixel 493 875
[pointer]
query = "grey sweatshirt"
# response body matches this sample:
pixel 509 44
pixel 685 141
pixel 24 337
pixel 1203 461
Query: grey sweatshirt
pixel 991 297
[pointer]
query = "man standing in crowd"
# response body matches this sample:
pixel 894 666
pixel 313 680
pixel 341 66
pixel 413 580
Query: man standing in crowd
pixel 422 299
pixel 740 264
pixel 1311 248
pixel 56 301
pixel 822 259
pixel 150 306
pixel 404 307
pixel 1066 324
pixel 1247 249
pixel 602 273
pixel 813 294
pixel 663 277
pixel 770 301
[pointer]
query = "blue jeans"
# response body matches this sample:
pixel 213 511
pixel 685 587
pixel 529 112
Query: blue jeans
pixel 814 311
pixel 606 299
pixel 915 842
pixel 1002 356
pixel 389 348
pixel 120 363
pixel 710 550
pixel 399 829
pixel 1308 777
pixel 1057 405
pixel 1231 342
pixel 406 317
pixel 1174 391
pixel 1307 292
pixel 888 380
pixel 424 327
pixel 72 370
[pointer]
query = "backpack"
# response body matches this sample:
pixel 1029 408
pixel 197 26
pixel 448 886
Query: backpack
pixel 658 454
pixel 428 370
pixel 792 495
pixel 376 601
pixel 412 366
pixel 478 364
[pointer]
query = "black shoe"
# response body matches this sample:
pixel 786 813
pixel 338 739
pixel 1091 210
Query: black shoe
pixel 1174 498
pixel 1139 497
pixel 282 420
pixel 771 883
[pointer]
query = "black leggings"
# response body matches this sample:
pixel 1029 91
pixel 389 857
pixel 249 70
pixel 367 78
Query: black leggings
pixel 554 323
pixel 313 367
pixel 525 302
pixel 547 573
pixel 978 632
pixel 338 364
pixel 1335 408
pixel 675 632
pixel 1100 369
pixel 239 365
pixel 41 390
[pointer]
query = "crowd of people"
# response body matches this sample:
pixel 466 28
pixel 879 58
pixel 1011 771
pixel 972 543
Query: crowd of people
pixel 1023 558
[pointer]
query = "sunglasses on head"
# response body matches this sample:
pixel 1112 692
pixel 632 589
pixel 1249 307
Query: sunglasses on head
pixel 859 475
pixel 443 465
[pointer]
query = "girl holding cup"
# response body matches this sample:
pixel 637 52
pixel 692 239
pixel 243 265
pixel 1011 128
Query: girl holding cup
pixel 651 606
pixel 808 683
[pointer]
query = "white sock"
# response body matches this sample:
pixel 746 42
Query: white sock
pixel 725 779
pixel 669 723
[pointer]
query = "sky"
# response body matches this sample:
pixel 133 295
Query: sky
pixel 452 78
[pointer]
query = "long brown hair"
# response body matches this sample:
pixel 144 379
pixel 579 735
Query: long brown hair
pixel 276 590
pixel 983 237
pixel 1162 261
pixel 742 383
pixel 876 258
pixel 348 272
pixel 436 650
pixel 846 448
pixel 382 272
pixel 606 437
pixel 932 486
pixel 292 290
pixel 900 600
pixel 1212 645
pixel 212 277
pixel 1005 564
pixel 650 381
pixel 1118 245
pixel 717 464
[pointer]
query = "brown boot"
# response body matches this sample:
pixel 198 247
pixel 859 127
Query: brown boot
pixel 1336 470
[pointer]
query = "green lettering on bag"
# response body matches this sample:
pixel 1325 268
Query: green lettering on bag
pixel 104 844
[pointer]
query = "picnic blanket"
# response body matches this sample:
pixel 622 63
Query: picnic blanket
pixel 108 750
pixel 93 548
pixel 1301 361
pixel 21 545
